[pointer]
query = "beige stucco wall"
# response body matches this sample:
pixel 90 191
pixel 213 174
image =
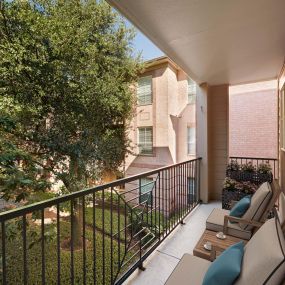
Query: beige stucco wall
pixel 169 115
pixel 202 138
pixel 218 106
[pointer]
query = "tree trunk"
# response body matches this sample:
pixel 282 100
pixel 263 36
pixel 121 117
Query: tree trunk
pixel 77 205
pixel 77 224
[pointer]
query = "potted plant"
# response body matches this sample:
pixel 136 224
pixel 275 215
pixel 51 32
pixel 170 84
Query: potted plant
pixel 234 191
pixel 248 172
pixel 246 187
pixel 233 170
pixel 229 192
pixel 264 173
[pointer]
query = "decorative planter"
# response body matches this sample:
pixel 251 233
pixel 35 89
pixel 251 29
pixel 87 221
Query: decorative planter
pixel 254 177
pixel 263 177
pixel 231 195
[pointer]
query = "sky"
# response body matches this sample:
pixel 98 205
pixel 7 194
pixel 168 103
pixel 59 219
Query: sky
pixel 148 49
pixel 143 44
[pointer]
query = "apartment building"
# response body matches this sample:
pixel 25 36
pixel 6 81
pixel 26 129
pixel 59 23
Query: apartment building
pixel 163 128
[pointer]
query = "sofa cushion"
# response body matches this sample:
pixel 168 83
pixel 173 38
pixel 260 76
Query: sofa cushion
pixel 264 257
pixel 215 222
pixel 189 270
pixel 226 268
pixel 259 202
pixel 241 207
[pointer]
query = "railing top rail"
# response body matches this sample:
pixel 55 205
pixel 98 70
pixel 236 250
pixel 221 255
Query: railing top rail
pixel 14 213
pixel 257 158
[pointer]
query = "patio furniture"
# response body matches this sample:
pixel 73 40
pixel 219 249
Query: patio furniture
pixel 281 211
pixel 262 202
pixel 263 260
pixel 219 244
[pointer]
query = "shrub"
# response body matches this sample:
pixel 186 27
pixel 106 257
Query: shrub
pixel 248 167
pixel 264 168
pixel 229 184
pixel 233 165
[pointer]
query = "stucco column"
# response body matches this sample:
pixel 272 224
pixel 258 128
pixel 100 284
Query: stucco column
pixel 202 138
pixel 212 138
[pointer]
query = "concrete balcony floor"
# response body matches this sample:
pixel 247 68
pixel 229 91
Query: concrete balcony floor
pixel 163 260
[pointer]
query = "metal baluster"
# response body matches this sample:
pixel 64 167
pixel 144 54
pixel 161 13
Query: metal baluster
pixel 3 232
pixel 111 232
pixel 159 205
pixel 84 240
pixel 103 229
pixel 58 243
pixel 71 242
pixel 94 238
pixel 43 244
pixel 25 263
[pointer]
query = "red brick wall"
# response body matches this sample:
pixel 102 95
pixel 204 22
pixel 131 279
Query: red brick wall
pixel 253 122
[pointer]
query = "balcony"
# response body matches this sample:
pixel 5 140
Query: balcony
pixel 99 235
pixel 111 233
pixel 103 235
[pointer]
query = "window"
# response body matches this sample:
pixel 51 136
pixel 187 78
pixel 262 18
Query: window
pixel 144 92
pixel 192 195
pixel 191 91
pixel 146 187
pixel 191 140
pixel 145 140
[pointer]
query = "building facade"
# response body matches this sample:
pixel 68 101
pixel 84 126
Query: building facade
pixel 253 120
pixel 162 131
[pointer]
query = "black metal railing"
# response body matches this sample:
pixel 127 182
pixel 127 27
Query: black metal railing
pixel 98 235
pixel 256 161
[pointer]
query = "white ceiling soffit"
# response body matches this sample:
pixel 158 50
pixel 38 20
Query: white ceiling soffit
pixel 215 41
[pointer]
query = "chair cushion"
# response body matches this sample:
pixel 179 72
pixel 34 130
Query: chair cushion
pixel 215 222
pixel 226 268
pixel 241 207
pixel 258 204
pixel 189 270
pixel 264 258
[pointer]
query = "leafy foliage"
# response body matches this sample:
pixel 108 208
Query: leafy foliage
pixel 65 73
pixel 19 174
pixel 264 168
pixel 14 261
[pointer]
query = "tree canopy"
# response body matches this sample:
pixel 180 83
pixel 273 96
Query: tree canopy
pixel 65 73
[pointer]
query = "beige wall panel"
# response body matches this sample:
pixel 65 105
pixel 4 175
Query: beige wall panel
pixel 218 138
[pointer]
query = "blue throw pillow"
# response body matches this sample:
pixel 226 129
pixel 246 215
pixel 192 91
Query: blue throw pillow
pixel 226 268
pixel 241 207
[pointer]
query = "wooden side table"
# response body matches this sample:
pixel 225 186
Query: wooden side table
pixel 210 236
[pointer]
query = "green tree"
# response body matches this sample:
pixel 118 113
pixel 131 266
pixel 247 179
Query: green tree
pixel 66 68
